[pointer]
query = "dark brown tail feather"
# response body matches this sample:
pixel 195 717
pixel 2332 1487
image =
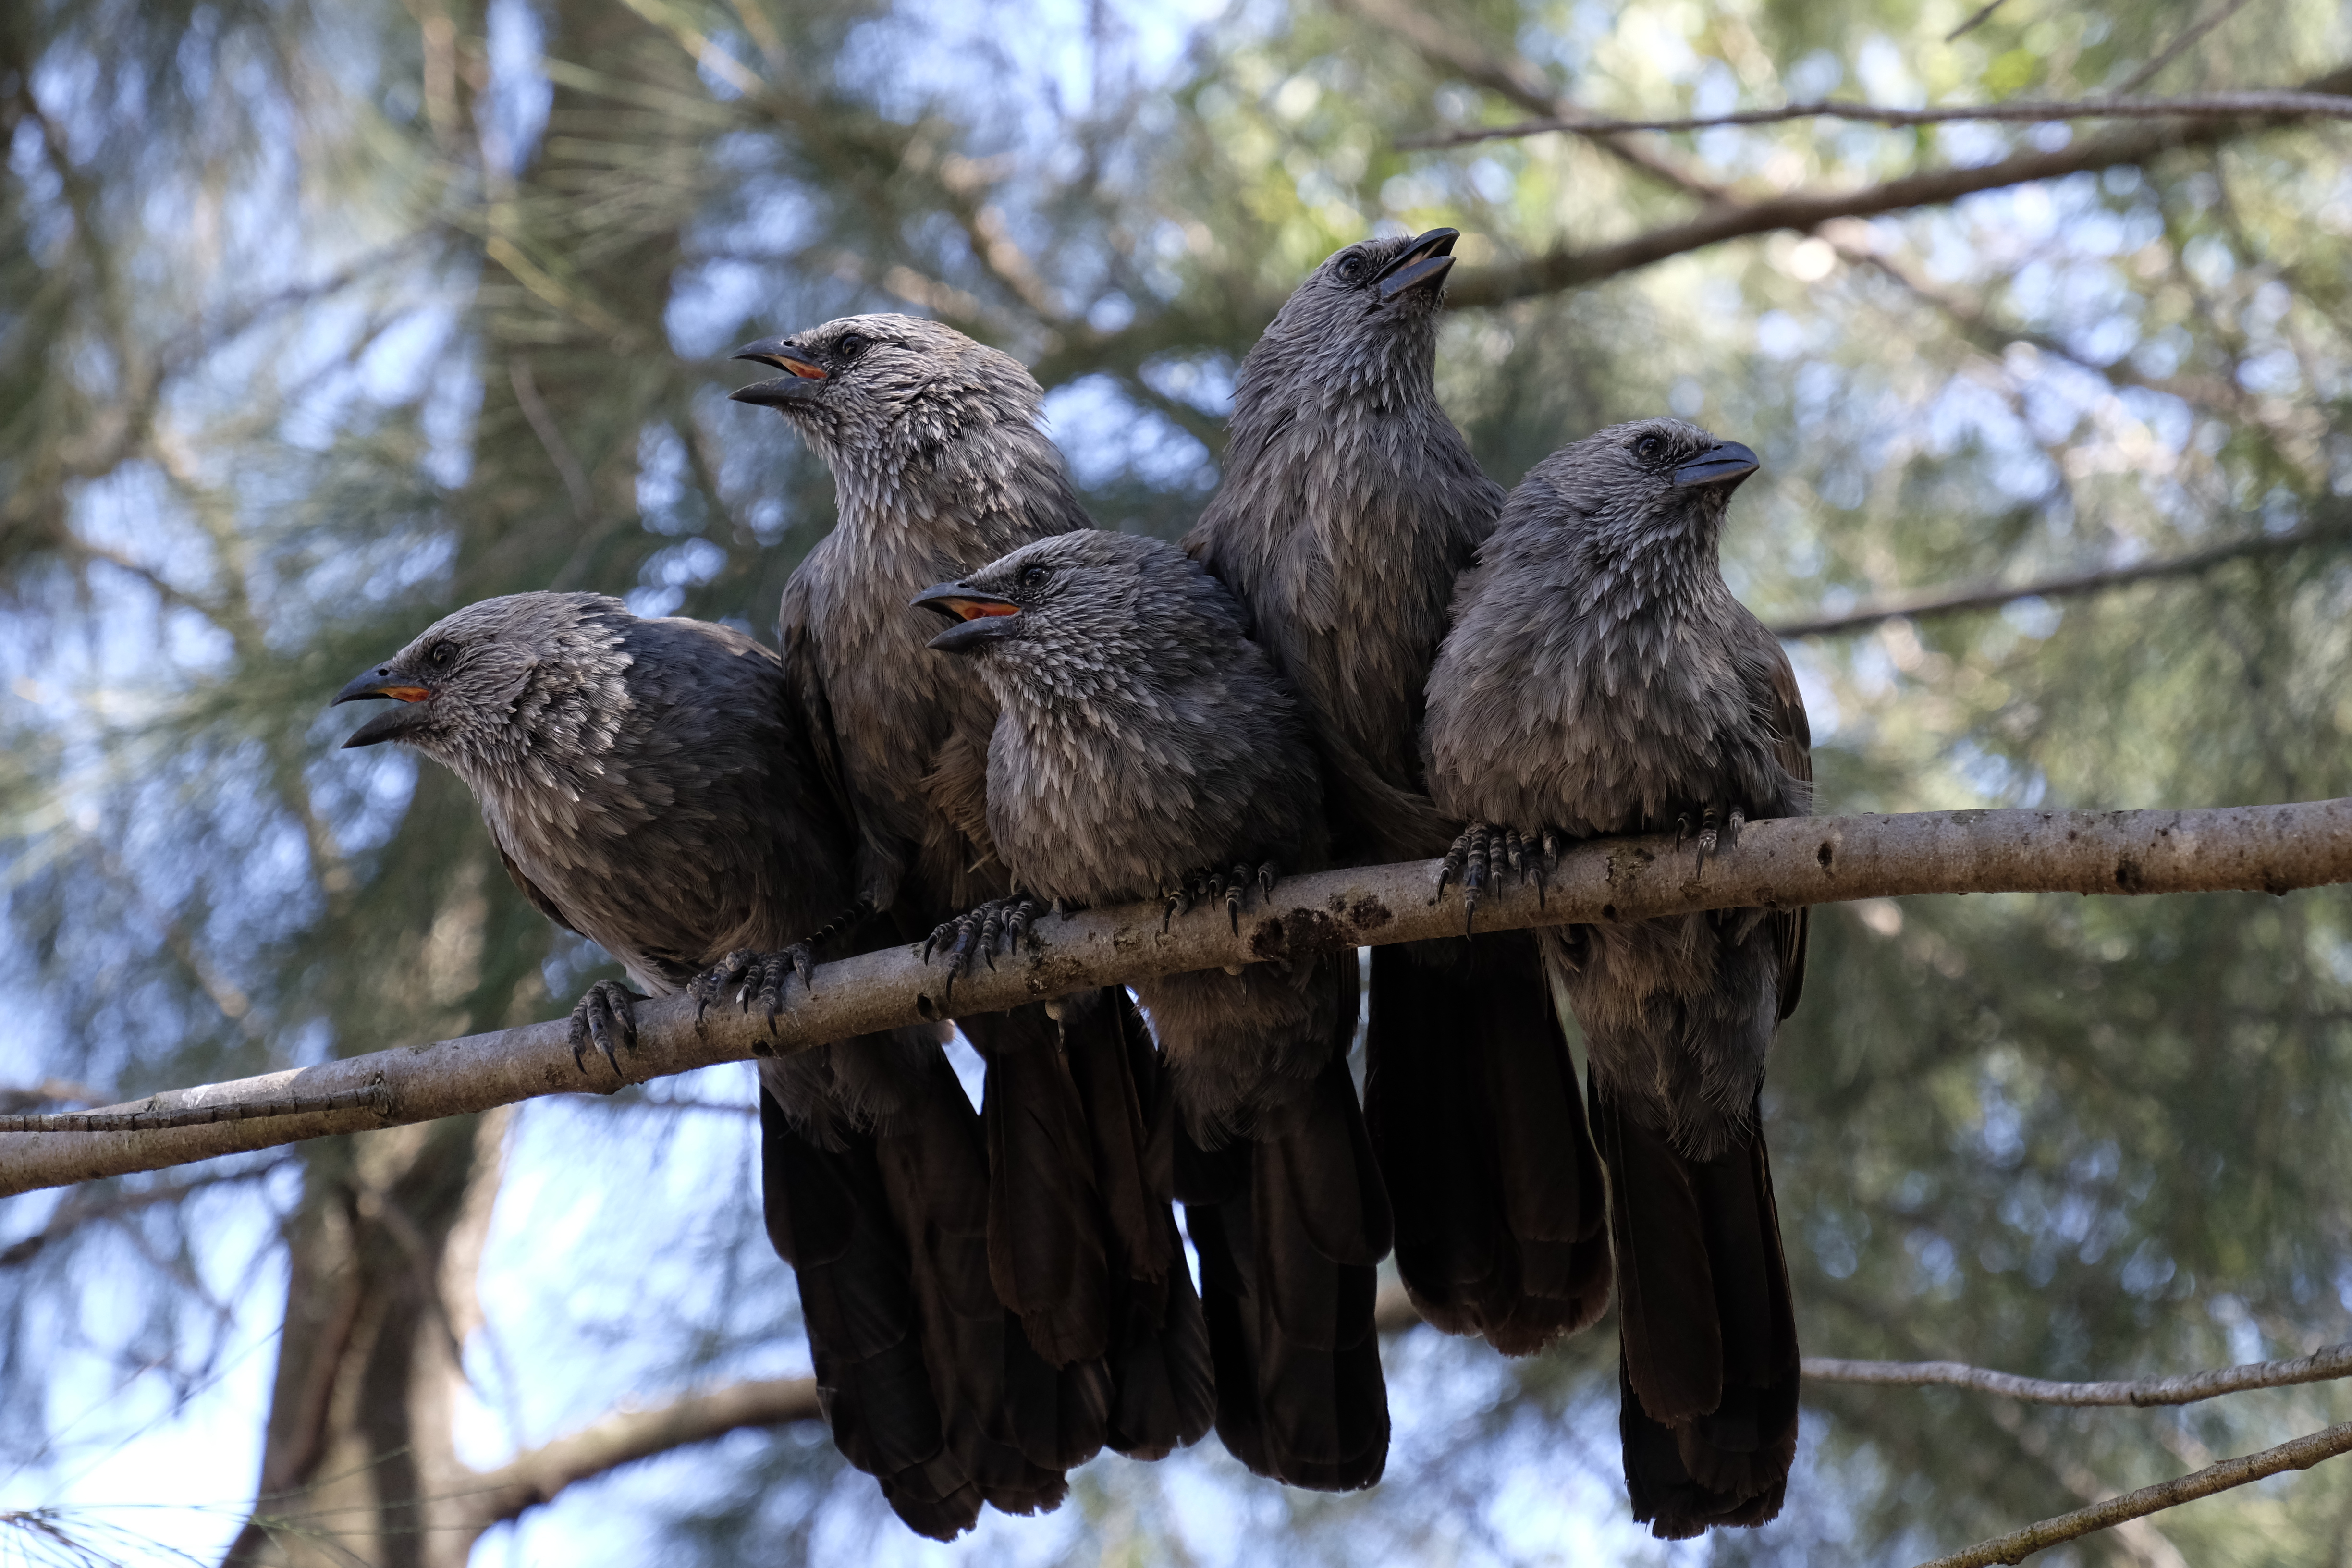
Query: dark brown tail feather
pixel 1046 1248
pixel 934 1165
pixel 1707 1329
pixel 1290 1226
pixel 1471 1100
pixel 829 1218
pixel 1165 1390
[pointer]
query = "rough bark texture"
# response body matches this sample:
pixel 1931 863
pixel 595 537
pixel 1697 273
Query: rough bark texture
pixel 1781 864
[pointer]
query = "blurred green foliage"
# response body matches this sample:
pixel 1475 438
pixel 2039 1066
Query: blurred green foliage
pixel 316 322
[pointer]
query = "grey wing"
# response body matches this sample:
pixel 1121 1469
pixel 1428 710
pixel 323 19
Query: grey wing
pixel 1778 702
pixel 538 900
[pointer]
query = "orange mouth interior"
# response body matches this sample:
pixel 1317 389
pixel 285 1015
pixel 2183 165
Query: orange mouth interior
pixel 407 693
pixel 973 609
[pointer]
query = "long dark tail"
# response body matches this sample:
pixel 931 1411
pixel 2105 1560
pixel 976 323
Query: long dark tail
pixel 1707 1332
pixel 1047 1248
pixel 991 1389
pixel 829 1216
pixel 1471 1101
pixel 1291 1225
pixel 1164 1387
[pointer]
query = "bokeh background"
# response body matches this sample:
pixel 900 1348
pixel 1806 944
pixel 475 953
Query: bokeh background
pixel 319 320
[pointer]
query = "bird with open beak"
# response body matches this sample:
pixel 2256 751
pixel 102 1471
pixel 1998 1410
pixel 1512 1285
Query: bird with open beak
pixel 1601 679
pixel 649 785
pixel 941 465
pixel 1144 746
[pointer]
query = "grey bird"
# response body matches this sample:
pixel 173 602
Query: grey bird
pixel 940 466
pixel 1601 679
pixel 650 785
pixel 1350 504
pixel 1145 747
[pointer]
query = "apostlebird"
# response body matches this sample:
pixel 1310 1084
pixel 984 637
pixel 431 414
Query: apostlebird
pixel 939 467
pixel 1350 504
pixel 1601 679
pixel 1145 747
pixel 650 785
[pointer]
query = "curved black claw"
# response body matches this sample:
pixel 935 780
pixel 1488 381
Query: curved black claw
pixel 1470 860
pixel 1718 824
pixel 1228 886
pixel 1234 887
pixel 608 1013
pixel 747 977
pixel 999 921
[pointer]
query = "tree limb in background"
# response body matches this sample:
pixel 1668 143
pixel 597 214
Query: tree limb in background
pixel 2269 104
pixel 1567 269
pixel 1779 864
pixel 1956 601
pixel 2172 50
pixel 2299 1454
pixel 2321 1367
pixel 1444 45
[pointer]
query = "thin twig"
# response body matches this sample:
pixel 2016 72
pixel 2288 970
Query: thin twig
pixel 2075 586
pixel 2205 106
pixel 2172 51
pixel 2015 1547
pixel 1781 864
pixel 1982 15
pixel 2320 1366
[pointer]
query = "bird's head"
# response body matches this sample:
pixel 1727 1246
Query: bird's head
pixel 1644 481
pixel 498 678
pixel 1368 315
pixel 1080 611
pixel 877 392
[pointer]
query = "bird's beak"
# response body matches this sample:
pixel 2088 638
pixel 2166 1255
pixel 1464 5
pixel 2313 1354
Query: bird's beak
pixel 385 682
pixel 978 617
pixel 802 380
pixel 1725 463
pixel 1423 264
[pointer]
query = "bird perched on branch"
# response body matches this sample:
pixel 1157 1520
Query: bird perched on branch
pixel 939 467
pixel 649 785
pixel 1145 746
pixel 1350 504
pixel 1601 679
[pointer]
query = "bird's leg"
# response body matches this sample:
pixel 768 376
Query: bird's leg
pixel 608 1013
pixel 1474 856
pixel 748 976
pixel 1718 824
pixel 1220 884
pixel 979 929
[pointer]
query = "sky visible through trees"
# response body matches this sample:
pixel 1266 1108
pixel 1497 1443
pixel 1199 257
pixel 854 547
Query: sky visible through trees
pixel 317 322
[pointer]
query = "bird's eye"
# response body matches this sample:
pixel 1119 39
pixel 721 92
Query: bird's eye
pixel 1648 446
pixel 442 653
pixel 1351 267
pixel 853 346
pixel 1034 578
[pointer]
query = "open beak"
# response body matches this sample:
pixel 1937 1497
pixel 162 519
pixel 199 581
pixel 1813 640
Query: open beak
pixel 385 683
pixel 1423 264
pixel 978 617
pixel 802 379
pixel 1725 463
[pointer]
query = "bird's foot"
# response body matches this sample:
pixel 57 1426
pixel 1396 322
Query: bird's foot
pixel 1717 826
pixel 1228 886
pixel 998 922
pixel 1482 854
pixel 605 1015
pixel 748 976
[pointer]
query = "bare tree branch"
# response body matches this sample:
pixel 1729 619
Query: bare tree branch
pixel 2075 586
pixel 626 1435
pixel 2279 104
pixel 2015 1547
pixel 1444 45
pixel 2172 50
pixel 75 1212
pixel 1568 268
pixel 2320 1366
pixel 1778 864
